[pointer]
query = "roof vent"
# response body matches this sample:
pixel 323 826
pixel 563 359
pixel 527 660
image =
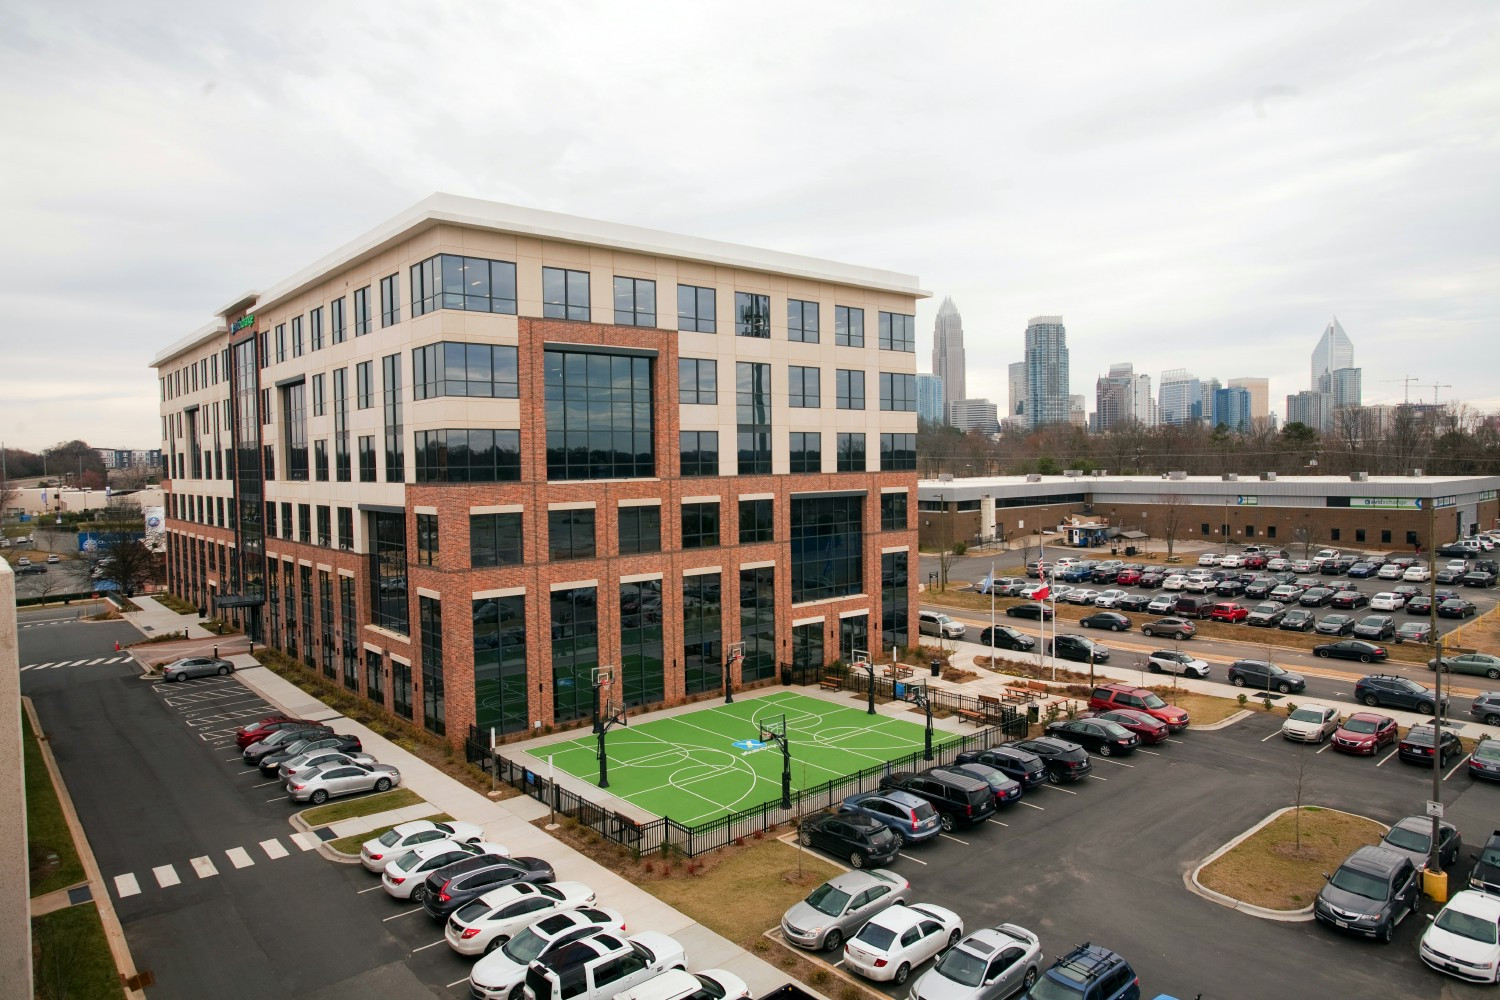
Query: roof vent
pixel 1269 477
pixel 1099 472
pixel 1359 477
pixel 946 477
pixel 1415 473
pixel 1032 477
pixel 1072 473
pixel 1177 475
pixel 1231 477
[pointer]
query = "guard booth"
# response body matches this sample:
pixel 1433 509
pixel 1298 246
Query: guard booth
pixel 1084 534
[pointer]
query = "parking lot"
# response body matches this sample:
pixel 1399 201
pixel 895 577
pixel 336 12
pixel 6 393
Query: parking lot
pixel 1104 860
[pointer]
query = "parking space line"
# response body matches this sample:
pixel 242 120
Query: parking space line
pixel 231 760
pixel 277 798
pixel 306 841
pixel 1269 735
pixel 998 823
pixel 204 867
pixel 371 889
pixel 1068 791
pixel 239 857
pixel 1154 753
pixel 1325 746
pixel 1118 763
pixel 954 839
pixel 1097 778
pixel 166 876
pixel 456 982
pixel 273 848
pixel 908 857
pixel 441 940
pixel 126 885
pixel 1170 740
pixel 1463 760
pixel 249 770
pixel 1387 757
pixel 403 913
pixel 266 784
pixel 1038 808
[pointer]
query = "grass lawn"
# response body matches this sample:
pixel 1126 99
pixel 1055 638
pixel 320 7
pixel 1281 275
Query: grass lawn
pixel 1202 709
pixel 71 959
pixel 53 858
pixel 351 845
pixel 1267 870
pixel 363 805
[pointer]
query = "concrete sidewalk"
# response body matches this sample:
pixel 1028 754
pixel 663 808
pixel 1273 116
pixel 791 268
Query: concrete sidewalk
pixel 510 822
pixel 155 618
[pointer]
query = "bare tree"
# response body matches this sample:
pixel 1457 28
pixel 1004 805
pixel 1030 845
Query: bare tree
pixel 127 564
pixel 1173 508
pixel 1299 785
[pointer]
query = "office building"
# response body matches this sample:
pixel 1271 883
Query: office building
pixel 468 460
pixel 1260 395
pixel 1231 409
pixel 1334 351
pixel 1310 408
pixel 930 399
pixel 1078 410
pixel 1122 396
pixel 1181 398
pixel 1343 386
pixel 1047 371
pixel 975 415
pixel 948 351
pixel 1018 389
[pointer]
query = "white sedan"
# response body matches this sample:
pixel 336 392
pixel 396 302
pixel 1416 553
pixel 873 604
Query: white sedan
pixel 899 938
pixel 681 983
pixel 1416 574
pixel 482 925
pixel 406 876
pixel 1385 601
pixel 1209 559
pixel 1390 571
pixel 1199 584
pixel 1311 724
pixel 380 851
pixel 1464 940
pixel 1232 561
pixel 1174 582
pixel 1108 598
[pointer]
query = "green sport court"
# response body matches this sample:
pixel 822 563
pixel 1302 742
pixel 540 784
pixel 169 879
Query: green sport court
pixel 689 767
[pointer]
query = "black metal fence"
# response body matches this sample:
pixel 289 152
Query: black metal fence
pixel 691 840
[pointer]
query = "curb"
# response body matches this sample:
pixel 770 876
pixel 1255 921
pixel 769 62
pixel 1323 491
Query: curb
pixel 1243 713
pixel 328 853
pixel 114 933
pixel 1190 878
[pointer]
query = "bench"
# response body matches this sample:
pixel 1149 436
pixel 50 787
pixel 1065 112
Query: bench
pixel 972 715
pixel 831 683
pixel 898 672
pixel 1018 695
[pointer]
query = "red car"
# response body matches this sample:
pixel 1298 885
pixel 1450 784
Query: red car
pixel 1365 732
pixel 258 731
pixel 1228 612
pixel 1127 576
pixel 1255 561
pixel 1149 729
pixel 1109 697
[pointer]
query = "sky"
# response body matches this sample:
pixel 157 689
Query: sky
pixel 1190 185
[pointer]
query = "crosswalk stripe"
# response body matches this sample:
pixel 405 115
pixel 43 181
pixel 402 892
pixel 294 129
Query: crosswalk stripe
pixel 306 841
pixel 126 885
pixel 166 876
pixel 273 848
pixel 204 867
pixel 91 663
pixel 240 857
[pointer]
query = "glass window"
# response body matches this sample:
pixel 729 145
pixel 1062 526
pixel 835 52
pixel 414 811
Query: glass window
pixel 500 664
pixel 364 385
pixel 388 571
pixel 700 525
pixel 390 301
pixel 427 539
pixel 315 328
pixel 336 327
pixel 565 294
pixel 753 415
pixel 802 387
pixel 898 392
pixel 848 326
pixel 454 369
pixel 401 688
pixel 702 633
pixel 697 381
pixel 827 547
pixel 367 458
pixel 395 446
pixel 342 468
pixel 807 451
pixel 758 623
pixel 699 453
pixel 850 389
pixel 599 416
pixel 696 309
pixel 280 342
pixel 752 315
pixel 495 539
pixel 898 332
pixel 757 522
pixel 898 452
pixel 640 529
pixel 895 608
pixel 893 512
pixel 851 456
pixel 570 534
pixel 449 281
pixel 294 430
pixel 320 398
pixel 642 663
pixel 807 645
pixel 635 301
pixel 320 459
pixel 304 523
pixel 473 455
pixel 346 527
pixel 297 342
pixel 575 652
pixel 362 311
pixel 434 711
pixel 802 321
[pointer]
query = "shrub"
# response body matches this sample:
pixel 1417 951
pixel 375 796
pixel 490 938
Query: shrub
pixel 1265 701
pixel 1291 707
pixel 820 977
pixel 851 992
pixel 1242 698
pixel 761 945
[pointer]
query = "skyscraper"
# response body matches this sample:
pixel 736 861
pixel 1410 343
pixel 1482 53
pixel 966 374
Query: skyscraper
pixel 1308 407
pixel 1232 408
pixel 1208 387
pixel 1343 385
pixel 1334 351
pixel 1260 395
pixel 1181 398
pixel 930 399
pixel 1078 410
pixel 1047 371
pixel 948 351
pixel 1123 395
pixel 1018 389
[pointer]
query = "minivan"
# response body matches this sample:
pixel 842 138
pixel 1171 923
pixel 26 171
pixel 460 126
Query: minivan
pixel 959 799
pixel 1193 606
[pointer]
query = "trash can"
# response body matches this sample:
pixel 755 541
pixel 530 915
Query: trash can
pixel 937 667
pixel 1435 885
pixel 1033 714
pixel 786 675
pixel 1130 550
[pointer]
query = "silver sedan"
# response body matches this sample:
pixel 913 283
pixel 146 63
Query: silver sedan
pixel 195 666
pixel 318 759
pixel 329 782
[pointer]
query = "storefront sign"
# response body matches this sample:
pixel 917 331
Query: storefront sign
pixel 242 322
pixel 1387 503
pixel 1247 501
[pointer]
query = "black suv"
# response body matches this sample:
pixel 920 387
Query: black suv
pixel 1005 637
pixel 1027 768
pixel 1066 761
pixel 1265 676
pixel 1389 690
pixel 1486 874
pixel 1078 647
pixel 1090 972
pixel 1373 891
pixel 453 885
pixel 959 798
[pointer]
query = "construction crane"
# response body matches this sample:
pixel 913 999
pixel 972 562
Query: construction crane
pixel 1435 387
pixel 1406 382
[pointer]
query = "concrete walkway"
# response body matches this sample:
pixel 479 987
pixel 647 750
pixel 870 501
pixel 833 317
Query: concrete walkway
pixel 509 822
pixel 155 618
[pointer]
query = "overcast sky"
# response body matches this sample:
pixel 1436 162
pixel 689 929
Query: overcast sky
pixel 1190 185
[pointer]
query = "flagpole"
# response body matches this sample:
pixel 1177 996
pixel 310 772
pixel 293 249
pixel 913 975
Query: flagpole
pixel 992 614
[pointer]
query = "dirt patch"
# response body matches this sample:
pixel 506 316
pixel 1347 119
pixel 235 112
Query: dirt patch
pixel 1276 869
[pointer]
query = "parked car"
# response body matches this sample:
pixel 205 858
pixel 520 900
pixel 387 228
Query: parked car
pixel 1315 597
pixel 1065 761
pixel 1479 664
pixel 1335 625
pixel 1416 574
pixel 938 624
pixel 1407 591
pixel 1412 837
pixel 1278 564
pixel 1310 724
pixel 959 799
pixel 1016 764
pixel 1087 972
pixel 1413 632
pixel 1285 593
pixel 1360 570
pixel 502 971
pixel 1077 647
pixel 1111 620
pixel 900 938
pixel 911 819
pixel 1231 587
pixel 1457 608
pixel 1375 627
pixel 1129 576
pixel 281 739
pixel 709 984
pixel 1192 606
pixel 1232 560
pixel 347 744
pixel 1451 574
pixel 1486 874
pixel 1229 612
pixel 1177 628
pixel 1107 697
pixel 1173 661
pixel 602 966
pixel 1082 595
pixel 1260 587
pixel 1478 578
pixel 196 666
pixel 839 908
pixel 1484 762
pixel 325 783
pixel 1005 637
pixel 1175 581
pixel 1029 610
pixel 1265 676
pixel 1461 940
pixel 1416 746
pixel 1352 649
pixel 379 851
pixel 405 877
pixel 1387 601
pixel 1161 604
pixel 257 731
pixel 1370 893
pixel 1109 599
pixel 465 881
pixel 1005 789
pixel 859 839
pixel 488 920
pixel 1419 605
pixel 1365 733
pixel 1390 571
pixel 1298 620
pixel 1351 599
pixel 1133 602
pixel 1107 571
pixel 1151 578
pixel 1209 559
pixel 1267 614
pixel 1395 691
pixel 1095 735
pixel 991 963
pixel 311 759
pixel 1486 707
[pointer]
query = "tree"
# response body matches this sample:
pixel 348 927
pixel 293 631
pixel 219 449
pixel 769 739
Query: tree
pixel 127 563
pixel 1299 784
pixel 1173 507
